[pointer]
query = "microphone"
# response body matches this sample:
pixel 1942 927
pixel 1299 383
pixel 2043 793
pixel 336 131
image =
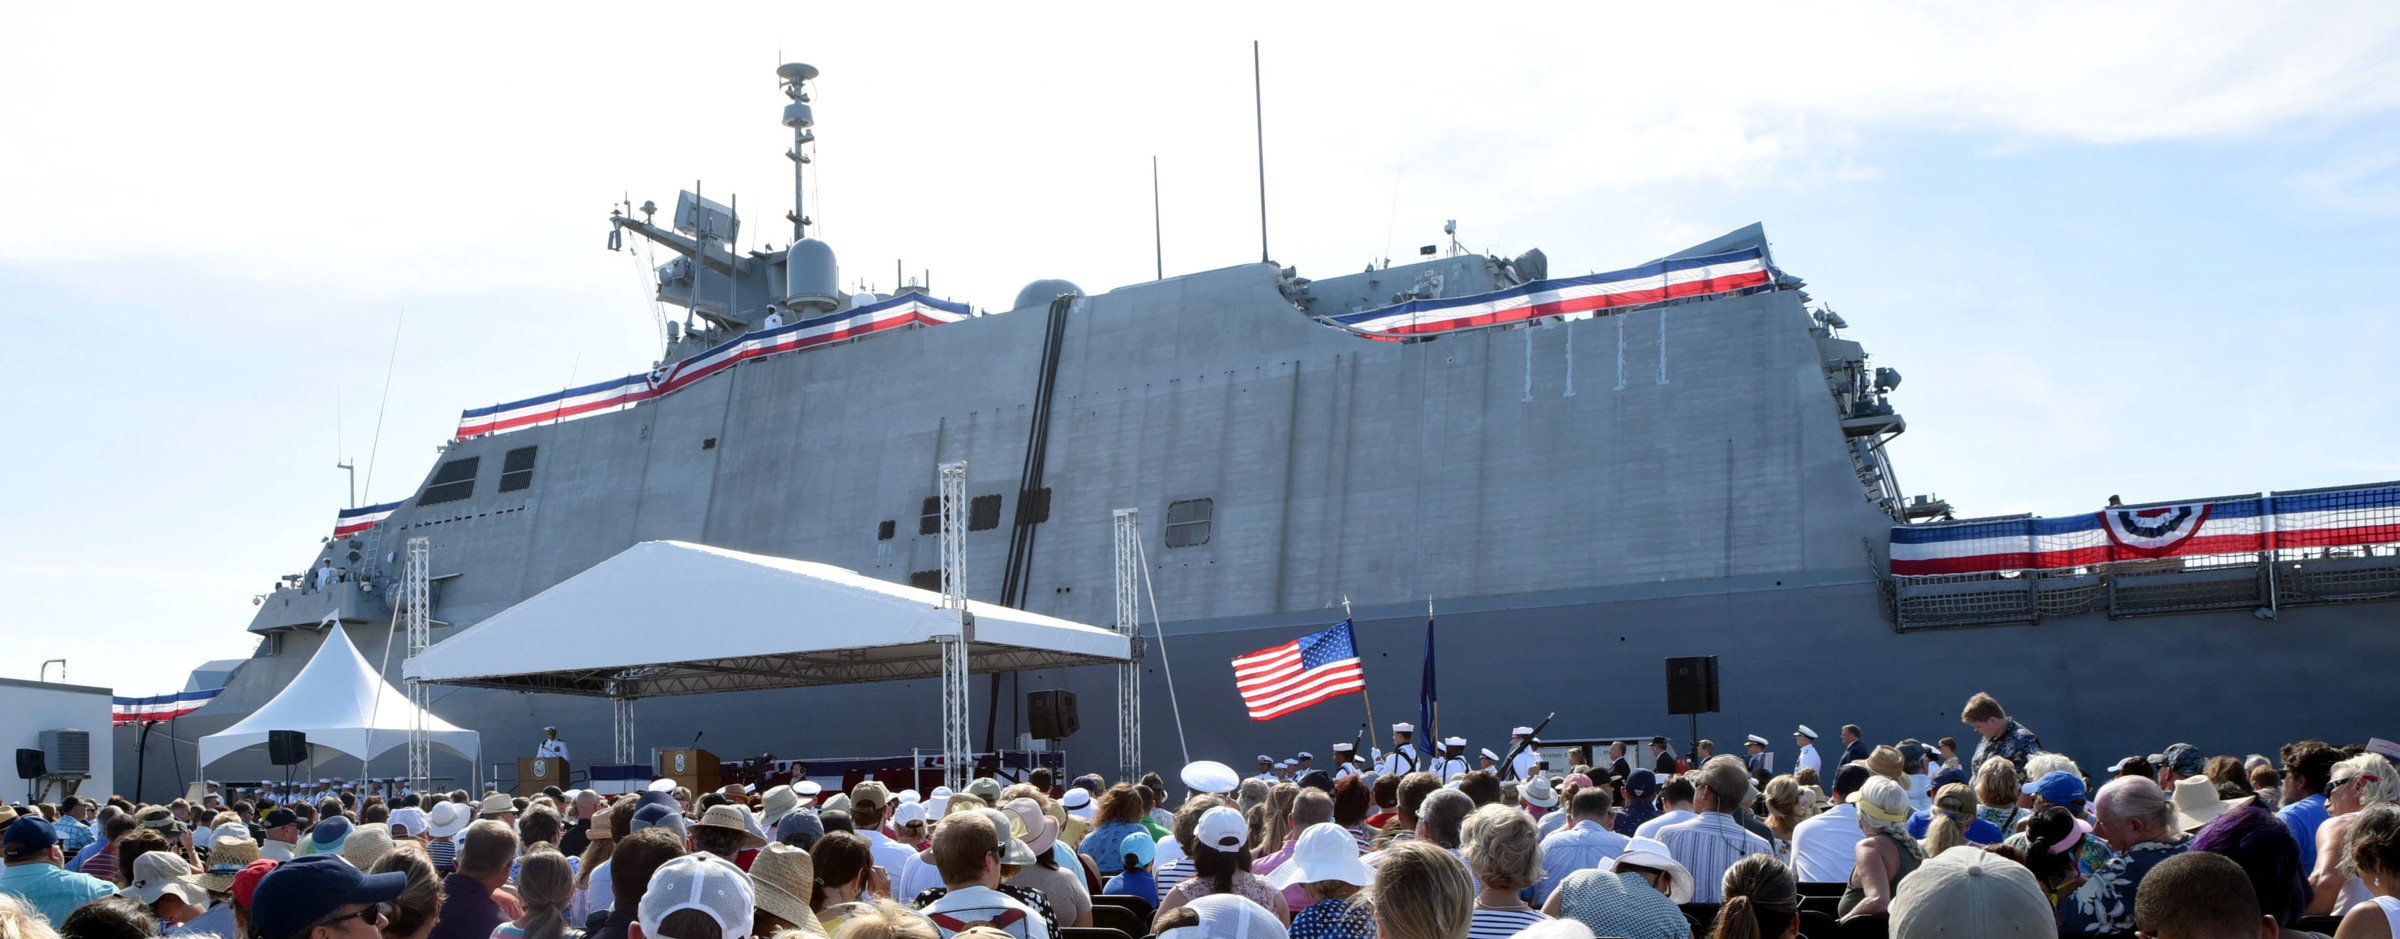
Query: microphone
pixel 696 737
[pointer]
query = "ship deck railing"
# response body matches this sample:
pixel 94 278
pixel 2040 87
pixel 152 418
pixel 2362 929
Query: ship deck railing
pixel 2263 582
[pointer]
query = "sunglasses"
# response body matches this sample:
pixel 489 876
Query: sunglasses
pixel 372 915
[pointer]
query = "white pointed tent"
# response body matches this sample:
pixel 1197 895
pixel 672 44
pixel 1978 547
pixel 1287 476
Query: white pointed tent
pixel 340 702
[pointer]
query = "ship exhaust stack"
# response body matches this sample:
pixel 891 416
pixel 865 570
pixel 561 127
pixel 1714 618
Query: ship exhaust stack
pixel 812 280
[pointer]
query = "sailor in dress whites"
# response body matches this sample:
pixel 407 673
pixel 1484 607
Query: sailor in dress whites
pixel 1454 758
pixel 1527 760
pixel 1488 761
pixel 1759 759
pixel 1345 760
pixel 551 745
pixel 1266 770
pixel 774 318
pixel 1300 763
pixel 1403 756
pixel 1807 739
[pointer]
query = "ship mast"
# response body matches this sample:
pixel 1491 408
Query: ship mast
pixel 799 118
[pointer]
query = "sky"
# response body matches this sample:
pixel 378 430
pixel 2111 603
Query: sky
pixel 2138 249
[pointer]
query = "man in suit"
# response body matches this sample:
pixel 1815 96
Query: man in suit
pixel 1854 749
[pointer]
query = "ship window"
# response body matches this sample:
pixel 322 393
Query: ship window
pixel 930 523
pixel 516 470
pixel 1034 509
pixel 926 580
pixel 885 531
pixel 983 514
pixel 455 481
pixel 1188 522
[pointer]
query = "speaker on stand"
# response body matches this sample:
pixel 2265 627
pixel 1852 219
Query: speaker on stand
pixel 287 748
pixel 1692 690
pixel 31 765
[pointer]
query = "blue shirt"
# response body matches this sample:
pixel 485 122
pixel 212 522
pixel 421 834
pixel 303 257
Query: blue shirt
pixel 1137 883
pixel 2104 903
pixel 51 891
pixel 1979 831
pixel 85 855
pixel 74 836
pixel 467 911
pixel 1580 847
pixel 2304 818
pixel 1104 841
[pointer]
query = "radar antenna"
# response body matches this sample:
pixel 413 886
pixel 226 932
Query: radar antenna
pixel 800 119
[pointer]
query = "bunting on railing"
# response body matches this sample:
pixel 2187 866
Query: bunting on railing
pixel 165 707
pixel 1740 271
pixel 349 522
pixel 2268 522
pixel 618 393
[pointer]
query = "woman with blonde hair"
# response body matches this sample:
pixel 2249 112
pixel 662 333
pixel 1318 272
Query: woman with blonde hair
pixel 1886 855
pixel 545 885
pixel 1503 848
pixel 19 921
pixel 2356 783
pixel 884 919
pixel 1762 901
pixel 1784 811
pixel 1279 817
pixel 1997 790
pixel 1953 810
pixel 1422 892
pixel 410 915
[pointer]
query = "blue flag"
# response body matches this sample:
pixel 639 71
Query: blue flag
pixel 1429 705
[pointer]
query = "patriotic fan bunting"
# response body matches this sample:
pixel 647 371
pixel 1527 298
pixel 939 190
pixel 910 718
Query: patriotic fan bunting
pixel 1657 282
pixel 165 707
pixel 2332 518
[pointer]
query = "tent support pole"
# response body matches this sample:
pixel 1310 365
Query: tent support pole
pixel 957 757
pixel 1129 674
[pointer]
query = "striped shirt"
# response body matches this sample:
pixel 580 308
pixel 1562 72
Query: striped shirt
pixel 1172 874
pixel 1707 846
pixel 1501 924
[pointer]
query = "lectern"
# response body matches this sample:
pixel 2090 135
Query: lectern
pixel 691 768
pixel 536 772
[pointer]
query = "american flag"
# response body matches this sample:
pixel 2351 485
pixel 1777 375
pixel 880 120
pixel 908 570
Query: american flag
pixel 1277 681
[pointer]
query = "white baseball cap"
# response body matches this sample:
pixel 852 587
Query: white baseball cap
pixel 1222 828
pixel 703 882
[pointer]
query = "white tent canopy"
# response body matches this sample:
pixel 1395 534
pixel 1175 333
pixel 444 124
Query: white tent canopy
pixel 668 617
pixel 340 702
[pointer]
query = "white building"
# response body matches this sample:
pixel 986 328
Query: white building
pixel 27 708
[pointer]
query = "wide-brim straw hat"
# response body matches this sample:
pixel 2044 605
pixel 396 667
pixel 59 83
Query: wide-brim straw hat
pixel 226 858
pixel 731 819
pixel 366 845
pixel 780 881
pixel 2197 804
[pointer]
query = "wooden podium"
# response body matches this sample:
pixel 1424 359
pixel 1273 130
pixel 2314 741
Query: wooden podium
pixel 537 772
pixel 691 768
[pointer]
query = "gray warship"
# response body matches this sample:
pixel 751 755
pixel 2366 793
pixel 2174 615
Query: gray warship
pixel 1580 488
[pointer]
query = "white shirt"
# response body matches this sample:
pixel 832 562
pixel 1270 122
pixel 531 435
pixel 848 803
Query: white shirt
pixel 1402 759
pixel 1452 767
pixel 273 850
pixel 774 321
pixel 325 577
pixel 602 893
pixel 916 876
pixel 551 748
pixel 1809 760
pixel 1525 763
pixel 1824 846
pixel 1345 770
pixel 1649 829
pixel 1708 846
pixel 1920 793
pixel 889 854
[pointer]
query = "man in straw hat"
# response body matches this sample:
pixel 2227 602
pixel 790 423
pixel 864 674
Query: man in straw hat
pixel 2139 822
pixel 724 831
pixel 164 883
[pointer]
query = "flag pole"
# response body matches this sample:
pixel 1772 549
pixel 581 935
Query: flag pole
pixel 1363 694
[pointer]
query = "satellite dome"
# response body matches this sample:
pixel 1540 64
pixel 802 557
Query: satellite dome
pixel 1041 292
pixel 811 278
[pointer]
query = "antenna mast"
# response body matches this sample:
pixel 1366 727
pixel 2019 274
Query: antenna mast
pixel 799 118
pixel 1258 102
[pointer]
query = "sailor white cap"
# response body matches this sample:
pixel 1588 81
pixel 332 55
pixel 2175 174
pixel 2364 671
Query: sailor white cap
pixel 1807 731
pixel 1342 748
pixel 1761 741
pixel 1404 727
pixel 1263 758
pixel 1455 742
pixel 1305 755
pixel 1520 731
pixel 1489 755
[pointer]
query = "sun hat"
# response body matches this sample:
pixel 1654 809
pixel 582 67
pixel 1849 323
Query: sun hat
pixel 411 821
pixel 1885 761
pixel 1139 844
pixel 1222 828
pixel 1210 776
pixel 2196 803
pixel 328 837
pixel 1969 893
pixel 301 892
pixel 1078 803
pixel 781 877
pixel 1813 799
pixel 448 818
pixel 1537 793
pixel 730 818
pixel 158 873
pixel 703 882
pixel 497 803
pixel 985 788
pixel 1013 850
pixel 1325 851
pixel 227 856
pixel 245 882
pixel 366 845
pixel 2058 787
pixel 1229 916
pixel 1039 830
pixel 777 803
pixel 840 802
pixel 602 829
pixel 1652 854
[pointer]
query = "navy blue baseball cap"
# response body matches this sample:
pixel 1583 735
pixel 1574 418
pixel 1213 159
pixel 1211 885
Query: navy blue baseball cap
pixel 1641 783
pixel 27 836
pixel 1948 775
pixel 302 892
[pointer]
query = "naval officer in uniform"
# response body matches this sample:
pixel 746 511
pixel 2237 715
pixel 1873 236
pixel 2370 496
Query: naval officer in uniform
pixel 1759 758
pixel 1807 739
pixel 1403 756
pixel 551 745
pixel 1523 766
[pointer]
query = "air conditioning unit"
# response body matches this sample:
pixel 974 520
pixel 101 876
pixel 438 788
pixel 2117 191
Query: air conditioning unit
pixel 68 752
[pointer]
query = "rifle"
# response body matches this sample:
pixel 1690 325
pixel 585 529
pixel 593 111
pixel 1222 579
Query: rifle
pixel 1508 764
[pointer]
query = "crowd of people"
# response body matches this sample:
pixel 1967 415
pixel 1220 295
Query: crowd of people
pixel 1898 839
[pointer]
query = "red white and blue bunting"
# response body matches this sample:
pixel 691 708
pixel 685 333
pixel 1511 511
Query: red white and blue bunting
pixel 2269 522
pixel 619 393
pixel 1732 272
pixel 165 707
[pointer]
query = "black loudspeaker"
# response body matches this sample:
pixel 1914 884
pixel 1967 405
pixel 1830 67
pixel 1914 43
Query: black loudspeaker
pixel 1692 685
pixel 287 747
pixel 1052 713
pixel 31 764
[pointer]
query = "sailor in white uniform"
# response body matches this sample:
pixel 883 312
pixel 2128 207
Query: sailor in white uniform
pixel 1527 760
pixel 1807 739
pixel 1490 761
pixel 551 745
pixel 1345 760
pixel 1454 758
pixel 1403 756
pixel 1266 770
pixel 774 317
pixel 1300 764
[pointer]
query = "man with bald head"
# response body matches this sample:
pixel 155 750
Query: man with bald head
pixel 2137 821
